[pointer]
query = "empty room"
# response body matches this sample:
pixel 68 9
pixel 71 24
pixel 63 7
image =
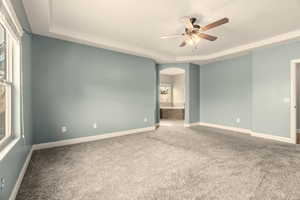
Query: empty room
pixel 149 100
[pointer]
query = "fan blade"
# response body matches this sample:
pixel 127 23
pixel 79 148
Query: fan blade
pixel 170 36
pixel 182 44
pixel 215 24
pixel 207 37
pixel 188 22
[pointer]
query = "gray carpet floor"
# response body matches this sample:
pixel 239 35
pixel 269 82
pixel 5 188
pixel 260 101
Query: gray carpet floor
pixel 167 164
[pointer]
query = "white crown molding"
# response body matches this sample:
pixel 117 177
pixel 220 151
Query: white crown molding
pixel 243 48
pixel 106 44
pixel 84 38
pixel 121 47
pixel 160 57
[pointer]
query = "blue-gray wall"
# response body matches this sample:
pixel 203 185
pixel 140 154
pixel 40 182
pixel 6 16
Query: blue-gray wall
pixel 76 85
pixel 255 88
pixel 270 86
pixel 20 11
pixel 12 163
pixel 193 93
pixel 157 82
pixel 225 92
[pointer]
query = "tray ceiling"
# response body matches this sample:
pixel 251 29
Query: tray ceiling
pixel 135 26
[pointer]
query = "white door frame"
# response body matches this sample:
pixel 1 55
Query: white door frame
pixel 293 101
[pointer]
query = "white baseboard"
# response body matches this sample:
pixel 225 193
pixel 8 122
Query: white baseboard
pixel 15 190
pixel 229 128
pixel 191 124
pixel 248 131
pixel 90 138
pixel 272 137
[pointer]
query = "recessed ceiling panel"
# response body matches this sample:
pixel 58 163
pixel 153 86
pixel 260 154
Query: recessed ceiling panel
pixel 140 23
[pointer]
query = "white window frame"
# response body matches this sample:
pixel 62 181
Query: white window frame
pixel 14 130
pixel 8 83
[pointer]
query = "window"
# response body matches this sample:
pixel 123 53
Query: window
pixel 11 98
pixel 6 63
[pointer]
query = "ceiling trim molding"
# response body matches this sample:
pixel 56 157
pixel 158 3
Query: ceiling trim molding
pixel 244 48
pixel 87 39
pixel 107 44
pixel 121 47
pixel 171 71
pixel 69 35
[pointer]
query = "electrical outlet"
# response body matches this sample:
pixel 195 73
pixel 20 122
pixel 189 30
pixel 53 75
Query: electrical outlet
pixel 145 119
pixel 238 120
pixel 2 184
pixel 95 125
pixel 64 129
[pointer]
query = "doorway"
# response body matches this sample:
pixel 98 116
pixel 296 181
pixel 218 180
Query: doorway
pixel 172 97
pixel 295 101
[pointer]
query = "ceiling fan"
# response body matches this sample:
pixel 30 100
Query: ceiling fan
pixel 194 33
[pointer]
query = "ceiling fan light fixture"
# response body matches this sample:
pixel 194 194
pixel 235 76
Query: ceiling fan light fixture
pixel 192 39
pixel 193 33
pixel 196 38
pixel 189 40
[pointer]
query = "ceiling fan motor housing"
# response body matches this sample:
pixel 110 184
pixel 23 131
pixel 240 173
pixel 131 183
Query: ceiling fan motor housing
pixel 196 26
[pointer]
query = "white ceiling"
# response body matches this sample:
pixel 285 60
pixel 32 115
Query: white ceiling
pixel 135 26
pixel 172 71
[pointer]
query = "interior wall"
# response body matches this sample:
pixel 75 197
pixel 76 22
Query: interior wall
pixel 12 163
pixel 193 93
pixel 21 14
pixel 178 90
pixel 157 95
pixel 166 79
pixel 271 88
pixel 76 86
pixel 261 78
pixel 191 78
pixel 184 66
pixel 177 82
pixel 225 92
pixel 298 95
